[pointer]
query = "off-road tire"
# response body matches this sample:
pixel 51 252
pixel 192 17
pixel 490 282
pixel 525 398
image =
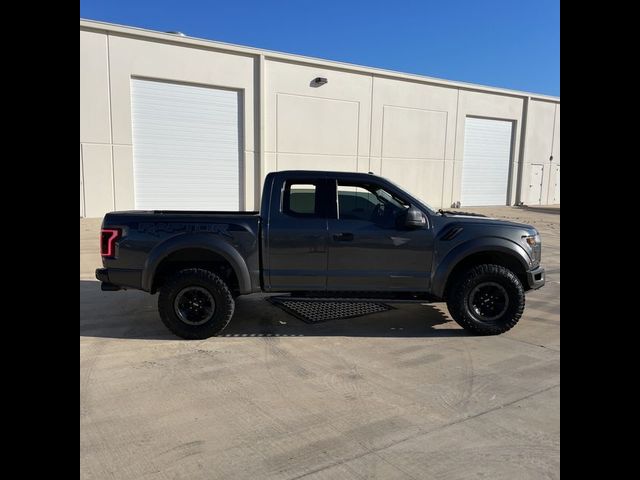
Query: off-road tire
pixel 204 279
pixel 461 306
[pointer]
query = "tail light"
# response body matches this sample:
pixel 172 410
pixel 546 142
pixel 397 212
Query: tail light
pixel 108 237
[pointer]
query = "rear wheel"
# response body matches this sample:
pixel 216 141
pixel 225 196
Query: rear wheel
pixel 195 304
pixel 486 299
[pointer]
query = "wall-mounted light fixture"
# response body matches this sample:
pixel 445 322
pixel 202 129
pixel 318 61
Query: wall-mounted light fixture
pixel 318 81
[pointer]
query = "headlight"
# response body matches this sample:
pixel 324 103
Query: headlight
pixel 536 247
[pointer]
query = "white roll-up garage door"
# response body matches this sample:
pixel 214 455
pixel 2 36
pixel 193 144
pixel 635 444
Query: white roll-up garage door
pixel 485 165
pixel 185 147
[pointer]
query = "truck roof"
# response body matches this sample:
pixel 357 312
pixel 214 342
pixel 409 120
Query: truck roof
pixel 326 173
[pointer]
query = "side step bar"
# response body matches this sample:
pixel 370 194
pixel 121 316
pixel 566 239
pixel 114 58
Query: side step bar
pixel 356 299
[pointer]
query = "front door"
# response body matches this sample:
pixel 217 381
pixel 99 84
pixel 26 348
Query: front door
pixel 298 237
pixel 368 250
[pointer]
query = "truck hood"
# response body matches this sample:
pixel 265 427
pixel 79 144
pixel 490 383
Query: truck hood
pixel 449 218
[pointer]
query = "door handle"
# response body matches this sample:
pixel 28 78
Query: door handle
pixel 343 237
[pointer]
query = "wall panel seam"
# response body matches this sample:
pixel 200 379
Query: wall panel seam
pixel 455 146
pixel 444 170
pixel 370 123
pixel 84 192
pixel 113 173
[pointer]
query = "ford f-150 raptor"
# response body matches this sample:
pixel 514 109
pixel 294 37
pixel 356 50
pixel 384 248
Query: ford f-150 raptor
pixel 331 234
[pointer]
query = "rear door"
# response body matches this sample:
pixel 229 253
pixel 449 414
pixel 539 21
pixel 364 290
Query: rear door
pixel 298 236
pixel 368 250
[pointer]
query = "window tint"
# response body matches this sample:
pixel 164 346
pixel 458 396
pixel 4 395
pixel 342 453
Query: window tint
pixel 356 203
pixel 300 200
pixel 370 203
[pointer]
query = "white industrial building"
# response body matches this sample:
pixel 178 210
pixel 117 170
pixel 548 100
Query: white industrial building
pixel 173 122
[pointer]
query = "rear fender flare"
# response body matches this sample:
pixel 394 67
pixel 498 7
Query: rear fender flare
pixel 201 241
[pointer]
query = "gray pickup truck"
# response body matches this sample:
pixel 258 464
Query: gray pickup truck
pixel 331 234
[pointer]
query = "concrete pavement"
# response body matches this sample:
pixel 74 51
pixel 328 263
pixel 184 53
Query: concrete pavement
pixel 403 394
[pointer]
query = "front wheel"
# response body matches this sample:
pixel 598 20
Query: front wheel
pixel 486 300
pixel 195 304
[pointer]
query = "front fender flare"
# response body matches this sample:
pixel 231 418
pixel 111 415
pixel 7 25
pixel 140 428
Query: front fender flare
pixel 203 241
pixel 464 250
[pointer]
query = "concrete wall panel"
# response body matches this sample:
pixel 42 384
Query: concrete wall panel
pixel 250 184
pixel 539 145
pixel 306 161
pixel 317 125
pixel 553 193
pixel 556 137
pixel 413 133
pixel 81 186
pixel 98 179
pixel 123 177
pixel 95 120
pixel 333 119
pixel 539 148
pixel 390 93
pixel 422 178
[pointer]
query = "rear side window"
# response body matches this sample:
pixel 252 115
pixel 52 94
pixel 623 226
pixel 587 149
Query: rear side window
pixel 301 200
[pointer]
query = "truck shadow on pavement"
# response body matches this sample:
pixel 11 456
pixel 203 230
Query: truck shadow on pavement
pixel 551 210
pixel 133 315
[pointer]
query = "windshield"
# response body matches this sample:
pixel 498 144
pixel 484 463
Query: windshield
pixel 389 198
pixel 419 201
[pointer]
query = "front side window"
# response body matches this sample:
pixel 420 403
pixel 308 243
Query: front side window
pixel 370 203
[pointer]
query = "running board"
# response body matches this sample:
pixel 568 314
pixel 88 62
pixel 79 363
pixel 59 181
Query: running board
pixel 354 299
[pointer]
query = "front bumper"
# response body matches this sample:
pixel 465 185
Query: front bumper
pixel 535 278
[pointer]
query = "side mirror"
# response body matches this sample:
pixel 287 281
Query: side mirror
pixel 414 218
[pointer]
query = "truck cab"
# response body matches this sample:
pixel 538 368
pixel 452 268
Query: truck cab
pixel 344 232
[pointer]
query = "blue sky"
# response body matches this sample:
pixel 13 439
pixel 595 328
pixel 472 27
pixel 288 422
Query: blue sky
pixel 503 43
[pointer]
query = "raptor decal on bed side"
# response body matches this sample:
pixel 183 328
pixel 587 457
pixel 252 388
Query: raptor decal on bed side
pixel 159 228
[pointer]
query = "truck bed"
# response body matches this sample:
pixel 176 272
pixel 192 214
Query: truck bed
pixel 149 237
